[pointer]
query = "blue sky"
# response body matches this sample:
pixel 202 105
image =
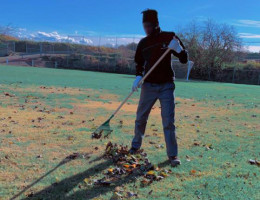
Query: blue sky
pixel 123 18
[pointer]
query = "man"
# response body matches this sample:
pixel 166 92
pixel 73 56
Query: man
pixel 159 84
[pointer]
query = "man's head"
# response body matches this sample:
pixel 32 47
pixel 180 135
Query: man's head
pixel 150 21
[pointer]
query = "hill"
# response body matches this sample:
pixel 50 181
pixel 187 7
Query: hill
pixel 7 38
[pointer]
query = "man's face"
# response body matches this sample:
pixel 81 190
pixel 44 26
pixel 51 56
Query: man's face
pixel 148 28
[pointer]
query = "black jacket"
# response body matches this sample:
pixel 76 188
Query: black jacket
pixel 150 49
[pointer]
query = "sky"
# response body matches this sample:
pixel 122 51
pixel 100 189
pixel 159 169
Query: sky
pixel 56 19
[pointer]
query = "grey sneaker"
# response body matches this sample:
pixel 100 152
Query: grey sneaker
pixel 175 161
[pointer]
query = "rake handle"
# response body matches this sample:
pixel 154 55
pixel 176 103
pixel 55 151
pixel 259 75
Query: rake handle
pixel 140 82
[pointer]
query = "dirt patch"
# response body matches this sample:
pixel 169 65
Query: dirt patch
pixel 108 106
pixel 186 105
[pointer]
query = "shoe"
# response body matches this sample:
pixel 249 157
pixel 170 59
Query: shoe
pixel 175 161
pixel 133 150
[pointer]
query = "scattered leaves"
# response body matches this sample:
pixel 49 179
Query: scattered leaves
pixel 254 162
pixel 39 156
pixel 8 94
pixel 116 196
pixel 70 137
pixel 131 194
pixel 209 147
pixel 196 144
pixel 97 134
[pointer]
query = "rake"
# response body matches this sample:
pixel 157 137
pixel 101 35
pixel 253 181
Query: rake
pixel 105 127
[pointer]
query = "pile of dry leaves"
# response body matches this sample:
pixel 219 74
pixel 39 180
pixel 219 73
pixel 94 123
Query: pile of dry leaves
pixel 137 164
pixel 127 165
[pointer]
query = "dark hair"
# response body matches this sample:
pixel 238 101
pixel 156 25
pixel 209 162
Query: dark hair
pixel 150 15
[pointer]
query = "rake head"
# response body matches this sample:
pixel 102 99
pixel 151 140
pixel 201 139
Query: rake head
pixel 104 129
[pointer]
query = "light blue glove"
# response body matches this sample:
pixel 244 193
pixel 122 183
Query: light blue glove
pixel 135 84
pixel 175 45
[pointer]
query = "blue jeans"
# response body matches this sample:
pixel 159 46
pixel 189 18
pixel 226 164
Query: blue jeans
pixel 150 92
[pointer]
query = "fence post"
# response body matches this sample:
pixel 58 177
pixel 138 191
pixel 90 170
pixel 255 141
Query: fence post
pixel 41 49
pixel 99 55
pixel 56 64
pixel 233 78
pixel 32 63
pixel 116 56
pixel 7 48
pixel 68 51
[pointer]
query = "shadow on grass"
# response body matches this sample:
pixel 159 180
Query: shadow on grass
pixel 101 190
pixel 62 189
pixel 63 162
pixel 164 164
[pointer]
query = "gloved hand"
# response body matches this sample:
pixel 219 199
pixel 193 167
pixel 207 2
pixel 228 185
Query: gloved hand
pixel 175 45
pixel 135 84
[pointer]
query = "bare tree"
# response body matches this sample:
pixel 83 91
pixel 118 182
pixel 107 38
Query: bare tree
pixel 211 45
pixel 7 30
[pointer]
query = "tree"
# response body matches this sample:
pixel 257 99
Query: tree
pixel 211 45
pixel 7 30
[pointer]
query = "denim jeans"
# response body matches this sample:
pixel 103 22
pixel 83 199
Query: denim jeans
pixel 150 92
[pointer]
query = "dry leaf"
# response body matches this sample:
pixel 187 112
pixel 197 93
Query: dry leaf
pixel 150 172
pixel 131 194
pixel 116 196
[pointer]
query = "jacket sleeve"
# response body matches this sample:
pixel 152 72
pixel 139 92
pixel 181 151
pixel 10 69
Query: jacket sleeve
pixel 139 60
pixel 183 55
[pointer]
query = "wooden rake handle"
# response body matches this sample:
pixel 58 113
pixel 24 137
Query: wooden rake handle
pixel 140 82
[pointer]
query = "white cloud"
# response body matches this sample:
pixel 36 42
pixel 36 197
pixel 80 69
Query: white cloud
pixel 20 32
pixel 22 29
pixel 79 39
pixel 56 37
pixel 253 48
pixel 249 35
pixel 113 40
pixel 51 36
pixel 248 23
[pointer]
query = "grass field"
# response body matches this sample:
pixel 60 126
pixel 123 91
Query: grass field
pixel 48 114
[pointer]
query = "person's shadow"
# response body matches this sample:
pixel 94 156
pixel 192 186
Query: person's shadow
pixel 63 190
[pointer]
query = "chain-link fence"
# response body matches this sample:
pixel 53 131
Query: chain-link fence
pixel 108 54
pixel 70 45
pixel 105 54
pixel 7 48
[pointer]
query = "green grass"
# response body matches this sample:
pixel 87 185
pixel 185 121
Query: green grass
pixel 228 121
